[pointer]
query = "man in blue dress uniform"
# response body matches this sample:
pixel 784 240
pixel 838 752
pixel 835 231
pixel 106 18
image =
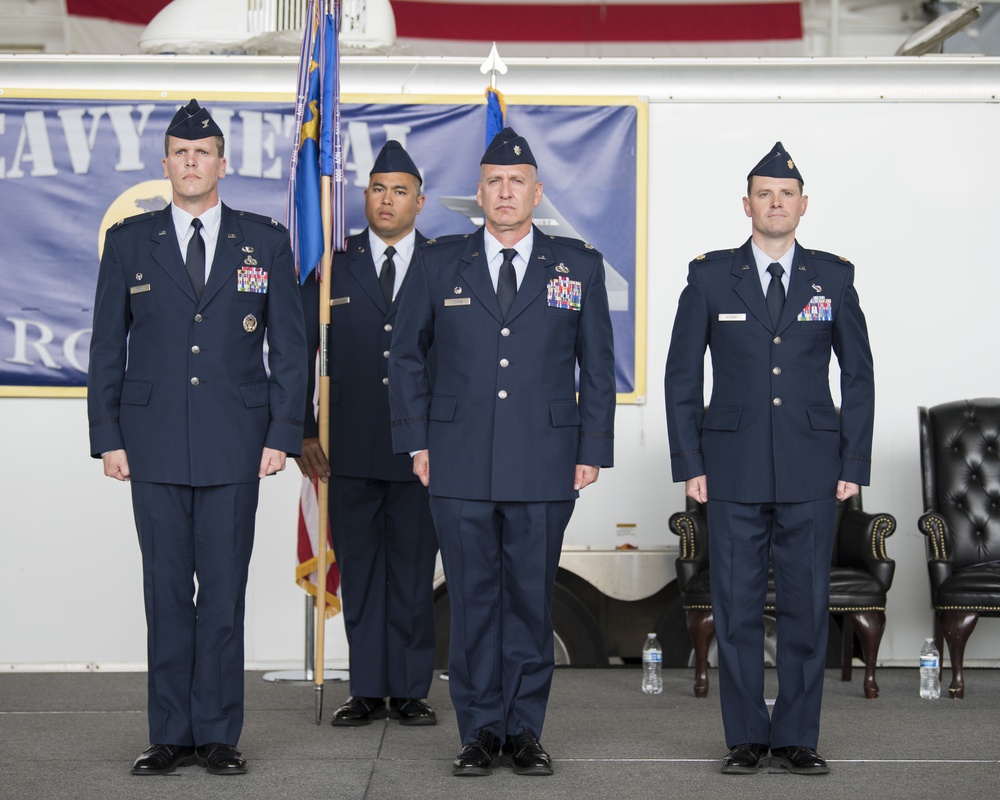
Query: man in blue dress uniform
pixel 180 403
pixel 491 330
pixel 770 455
pixel 380 520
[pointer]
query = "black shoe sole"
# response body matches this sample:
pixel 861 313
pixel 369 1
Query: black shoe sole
pixel 777 765
pixel 413 720
pixel 735 770
pixel 348 722
pixel 183 762
pixel 475 772
pixel 224 771
pixel 534 769
pixel 471 772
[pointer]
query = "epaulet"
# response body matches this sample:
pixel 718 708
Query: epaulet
pixel 451 237
pixel 269 221
pixel 134 218
pixel 579 244
pixel 714 255
pixel 824 256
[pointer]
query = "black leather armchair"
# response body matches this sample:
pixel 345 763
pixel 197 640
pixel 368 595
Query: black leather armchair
pixel 960 471
pixel 860 577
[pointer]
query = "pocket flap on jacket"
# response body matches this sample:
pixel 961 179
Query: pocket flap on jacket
pixel 722 418
pixel 443 408
pixel 564 413
pixel 823 419
pixel 254 394
pixel 136 393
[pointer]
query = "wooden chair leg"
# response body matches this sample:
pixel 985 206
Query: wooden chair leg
pixel 957 626
pixel 939 644
pixel 870 626
pixel 847 647
pixel 701 628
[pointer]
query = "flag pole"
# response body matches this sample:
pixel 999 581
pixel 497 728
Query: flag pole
pixel 324 440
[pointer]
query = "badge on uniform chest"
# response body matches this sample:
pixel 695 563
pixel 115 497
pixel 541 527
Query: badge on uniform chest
pixel 565 293
pixel 251 279
pixel 818 309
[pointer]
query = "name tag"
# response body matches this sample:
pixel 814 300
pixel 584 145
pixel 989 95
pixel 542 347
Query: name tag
pixel 732 317
pixel 339 301
pixel 458 301
pixel 139 289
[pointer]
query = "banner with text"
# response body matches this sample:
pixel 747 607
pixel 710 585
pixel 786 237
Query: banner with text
pixel 71 168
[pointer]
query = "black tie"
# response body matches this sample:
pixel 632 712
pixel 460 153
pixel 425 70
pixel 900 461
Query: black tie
pixel 775 296
pixel 387 277
pixel 507 280
pixel 195 261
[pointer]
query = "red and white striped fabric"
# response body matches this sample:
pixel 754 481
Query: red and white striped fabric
pixel 608 28
pixel 108 26
pixel 601 27
pixel 308 542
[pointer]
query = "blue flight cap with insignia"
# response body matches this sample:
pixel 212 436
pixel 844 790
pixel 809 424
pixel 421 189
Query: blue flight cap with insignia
pixel 393 158
pixel 193 122
pixel 776 164
pixel 508 148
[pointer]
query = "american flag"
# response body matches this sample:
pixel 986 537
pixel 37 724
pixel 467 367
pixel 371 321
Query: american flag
pixel 640 28
pixel 601 27
pixel 308 542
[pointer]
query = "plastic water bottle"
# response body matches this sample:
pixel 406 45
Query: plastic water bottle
pixel 652 657
pixel 930 663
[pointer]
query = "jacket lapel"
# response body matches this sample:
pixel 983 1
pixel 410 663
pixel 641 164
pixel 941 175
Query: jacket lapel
pixel 420 239
pixel 748 285
pixel 228 256
pixel 800 289
pixel 536 276
pixel 476 274
pixel 362 268
pixel 167 254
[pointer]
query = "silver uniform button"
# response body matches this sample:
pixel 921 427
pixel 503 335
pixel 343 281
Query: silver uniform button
pixel 197 317
pixel 388 327
pixel 196 349
pixel 502 394
pixel 385 354
pixel 777 340
pixel 776 370
pixel 505 331
pixel 385 381
pixel 776 401
pixel 195 381
pixel 504 362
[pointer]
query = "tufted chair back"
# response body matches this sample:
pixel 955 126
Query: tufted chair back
pixel 960 471
pixel 960 459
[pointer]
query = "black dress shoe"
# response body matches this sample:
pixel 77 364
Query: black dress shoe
pixel 359 711
pixel 477 758
pixel 744 759
pixel 221 759
pixel 411 711
pixel 162 759
pixel 527 755
pixel 799 760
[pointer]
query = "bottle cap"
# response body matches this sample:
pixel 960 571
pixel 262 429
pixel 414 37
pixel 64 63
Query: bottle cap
pixel 651 635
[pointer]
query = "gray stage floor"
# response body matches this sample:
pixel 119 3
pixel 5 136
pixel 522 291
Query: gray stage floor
pixel 75 735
